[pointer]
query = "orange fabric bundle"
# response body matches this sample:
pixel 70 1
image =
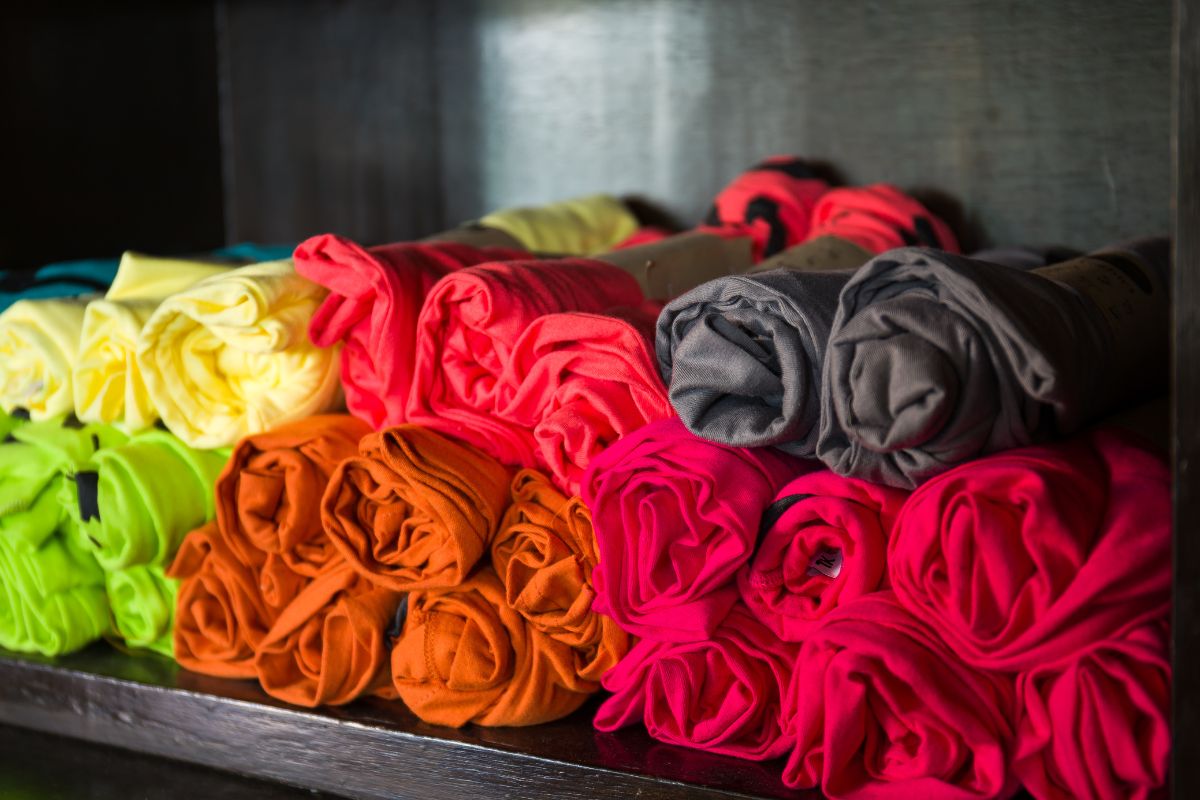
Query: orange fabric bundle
pixel 220 613
pixel 329 646
pixel 544 554
pixel 465 656
pixel 414 510
pixel 268 497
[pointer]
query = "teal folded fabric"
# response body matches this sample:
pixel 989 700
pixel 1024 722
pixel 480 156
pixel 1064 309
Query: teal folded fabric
pixel 251 253
pixel 52 595
pixel 62 279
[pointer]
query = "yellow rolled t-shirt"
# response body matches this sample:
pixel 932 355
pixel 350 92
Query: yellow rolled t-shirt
pixel 39 344
pixel 230 355
pixel 108 383
pixel 579 226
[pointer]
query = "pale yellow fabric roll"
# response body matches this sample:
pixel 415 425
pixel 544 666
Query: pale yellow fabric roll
pixel 39 343
pixel 108 382
pixel 230 356
pixel 577 227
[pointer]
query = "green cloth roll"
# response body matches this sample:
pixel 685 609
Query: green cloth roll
pixel 143 607
pixel 148 493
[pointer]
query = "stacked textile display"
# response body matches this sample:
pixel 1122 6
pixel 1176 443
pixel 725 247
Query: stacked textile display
pixel 803 484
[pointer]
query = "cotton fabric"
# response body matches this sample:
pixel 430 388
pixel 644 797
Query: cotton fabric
pixel 142 599
pixel 62 279
pixel 39 346
pixel 577 227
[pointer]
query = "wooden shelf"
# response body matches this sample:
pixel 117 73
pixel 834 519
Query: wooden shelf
pixel 370 749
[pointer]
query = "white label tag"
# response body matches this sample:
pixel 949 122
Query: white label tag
pixel 828 562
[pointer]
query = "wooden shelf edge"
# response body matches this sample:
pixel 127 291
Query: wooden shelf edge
pixel 370 749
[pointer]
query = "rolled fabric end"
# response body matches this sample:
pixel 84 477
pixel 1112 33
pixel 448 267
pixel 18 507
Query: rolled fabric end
pixel 577 227
pixel 1120 688
pixel 879 217
pixel 1024 557
pixel 414 510
pixel 742 357
pixel 136 501
pixel 675 518
pixel 39 346
pixel 544 554
pixel 329 646
pixel 721 694
pixel 229 356
pixel 821 544
pixel 375 296
pixel 881 707
pixel 143 607
pixel 465 656
pixel 268 498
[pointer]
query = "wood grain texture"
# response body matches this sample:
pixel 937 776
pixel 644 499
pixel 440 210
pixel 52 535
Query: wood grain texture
pixel 328 119
pixel 371 749
pixel 36 766
pixel 108 131
pixel 1185 769
pixel 1049 122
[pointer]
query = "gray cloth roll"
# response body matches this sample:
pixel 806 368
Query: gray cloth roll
pixel 741 356
pixel 1025 257
pixel 935 359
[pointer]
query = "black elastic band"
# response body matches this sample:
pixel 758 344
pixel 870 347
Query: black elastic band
pixel 774 512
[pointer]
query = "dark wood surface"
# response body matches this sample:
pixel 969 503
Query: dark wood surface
pixel 371 749
pixel 1185 768
pixel 108 132
pixel 38 766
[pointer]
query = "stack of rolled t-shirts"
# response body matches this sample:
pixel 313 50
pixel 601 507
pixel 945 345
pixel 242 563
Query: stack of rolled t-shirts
pixel 132 504
pixel 742 355
pixel 496 627
pixel 264 592
pixel 934 359
pixel 52 597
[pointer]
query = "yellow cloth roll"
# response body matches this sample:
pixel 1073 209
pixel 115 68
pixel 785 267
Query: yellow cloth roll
pixel 108 383
pixel 39 343
pixel 230 355
pixel 577 227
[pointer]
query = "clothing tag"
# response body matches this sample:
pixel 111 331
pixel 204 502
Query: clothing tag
pixel 397 626
pixel 828 562
pixel 668 268
pixel 822 254
pixel 87 488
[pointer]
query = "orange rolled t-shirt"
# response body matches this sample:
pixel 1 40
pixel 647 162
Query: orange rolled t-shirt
pixel 415 509
pixel 330 645
pixel 269 496
pixel 544 555
pixel 465 656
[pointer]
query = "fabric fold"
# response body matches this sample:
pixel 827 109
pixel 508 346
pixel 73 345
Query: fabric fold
pixel 822 543
pixel 721 694
pixel 61 279
pixel 142 599
pixel 39 346
pixel 467 331
pixel 881 708
pixel 1023 558
pixel 935 359
pixel 465 656
pixel 375 296
pixel 229 356
pixel 107 382
pixel 136 501
pixel 1099 726
pixel 675 518
pixel 414 510
pixel 579 226
pixel 268 499
pixel 329 646
pixel 545 554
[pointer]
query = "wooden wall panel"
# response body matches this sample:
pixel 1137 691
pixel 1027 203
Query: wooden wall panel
pixel 1048 121
pixel 108 132
pixel 328 119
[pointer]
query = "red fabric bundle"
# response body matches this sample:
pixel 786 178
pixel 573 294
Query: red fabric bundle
pixel 578 382
pixel 881 708
pixel 1024 557
pixel 722 694
pixel 675 517
pixel 772 203
pixel 878 218
pixel 1098 726
pixel 467 331
pixel 374 298
pixel 823 543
